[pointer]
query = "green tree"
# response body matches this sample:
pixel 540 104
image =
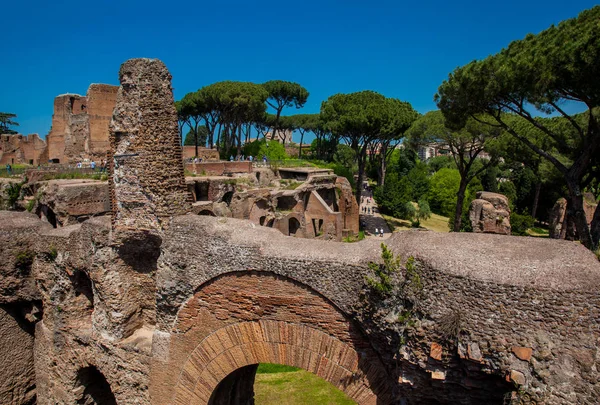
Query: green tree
pixel 537 75
pixel 283 94
pixel 399 117
pixel 466 146
pixel 344 155
pixel 443 190
pixel 273 150
pixel 196 139
pixel 6 121
pixel 359 118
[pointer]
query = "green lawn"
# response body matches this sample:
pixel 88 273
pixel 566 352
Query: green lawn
pixel 282 385
pixel 436 223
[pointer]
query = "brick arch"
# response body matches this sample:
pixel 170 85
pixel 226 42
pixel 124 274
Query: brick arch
pixel 244 318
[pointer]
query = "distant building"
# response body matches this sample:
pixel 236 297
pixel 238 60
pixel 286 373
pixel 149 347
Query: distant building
pixel 281 136
pixel 432 150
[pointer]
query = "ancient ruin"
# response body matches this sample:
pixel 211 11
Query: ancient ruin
pixel 561 227
pixel 22 149
pixel 490 213
pixel 80 125
pixel 157 305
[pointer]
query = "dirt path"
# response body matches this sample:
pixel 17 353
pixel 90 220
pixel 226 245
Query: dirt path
pixel 372 220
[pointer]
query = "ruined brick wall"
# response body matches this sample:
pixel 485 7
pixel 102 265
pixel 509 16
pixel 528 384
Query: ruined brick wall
pixel 22 149
pixel 513 332
pixel 189 152
pixel 219 168
pixel 146 171
pixel 80 125
pixel 101 100
pixel 259 318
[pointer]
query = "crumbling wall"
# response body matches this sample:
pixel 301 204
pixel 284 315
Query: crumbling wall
pixel 146 168
pixel 80 125
pixel 22 149
pixel 490 213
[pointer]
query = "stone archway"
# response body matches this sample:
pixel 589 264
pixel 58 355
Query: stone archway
pixel 242 319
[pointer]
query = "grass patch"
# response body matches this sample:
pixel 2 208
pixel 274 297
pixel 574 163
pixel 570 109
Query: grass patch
pixel 270 368
pixel 292 185
pixel 436 223
pixel 296 388
pixel 538 232
pixel 356 238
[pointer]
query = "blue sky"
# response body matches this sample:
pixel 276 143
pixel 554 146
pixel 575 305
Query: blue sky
pixel 399 50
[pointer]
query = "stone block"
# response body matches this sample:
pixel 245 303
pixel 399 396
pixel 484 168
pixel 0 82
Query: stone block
pixel 523 353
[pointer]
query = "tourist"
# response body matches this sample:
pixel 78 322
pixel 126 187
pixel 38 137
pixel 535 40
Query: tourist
pixel 231 158
pixel 381 233
pixel 93 165
pixel 8 169
pixel 376 231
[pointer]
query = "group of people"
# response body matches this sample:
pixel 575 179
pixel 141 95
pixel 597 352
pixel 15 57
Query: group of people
pixel 379 231
pixel 93 165
pixel 242 158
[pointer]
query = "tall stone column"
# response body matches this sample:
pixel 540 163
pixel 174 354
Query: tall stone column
pixel 146 169
pixel 147 188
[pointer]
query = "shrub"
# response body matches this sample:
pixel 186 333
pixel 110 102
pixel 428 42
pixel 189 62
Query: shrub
pixel 24 260
pixel 520 223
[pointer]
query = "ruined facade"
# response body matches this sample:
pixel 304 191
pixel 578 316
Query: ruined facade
pixel 153 307
pixel 80 125
pixel 490 213
pixel 560 225
pixel 22 149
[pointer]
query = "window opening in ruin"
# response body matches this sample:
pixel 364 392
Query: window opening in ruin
pixel 202 191
pixel 328 195
pixel 208 213
pixel 261 221
pixel 293 226
pixel 227 198
pixel 270 222
pixel 31 161
pixel 72 101
pixel 83 285
pixel 286 203
pixel 55 160
pixel 44 211
pixel 317 226
pixel 258 176
pixel 97 390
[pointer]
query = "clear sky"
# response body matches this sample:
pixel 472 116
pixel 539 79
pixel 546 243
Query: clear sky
pixel 400 49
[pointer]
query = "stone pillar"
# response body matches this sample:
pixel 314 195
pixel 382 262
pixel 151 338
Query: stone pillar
pixel 146 169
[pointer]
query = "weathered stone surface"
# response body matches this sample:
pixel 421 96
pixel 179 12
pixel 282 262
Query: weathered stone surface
pixel 80 125
pixel 559 223
pixel 17 375
pixel 146 171
pixel 490 213
pixel 436 351
pixel 28 149
pixel 523 353
pixel 68 202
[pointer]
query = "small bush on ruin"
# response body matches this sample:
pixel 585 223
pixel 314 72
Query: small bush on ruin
pixel 30 205
pixel 24 260
pixel 52 253
pixel 14 193
pixel 451 325
pixel 382 283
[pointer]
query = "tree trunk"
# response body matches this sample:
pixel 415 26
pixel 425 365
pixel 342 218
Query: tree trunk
pixel 595 229
pixel 536 199
pixel 460 198
pixel 361 172
pixel 381 169
pixel 239 140
pixel 300 146
pixel 196 137
pixel 575 210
